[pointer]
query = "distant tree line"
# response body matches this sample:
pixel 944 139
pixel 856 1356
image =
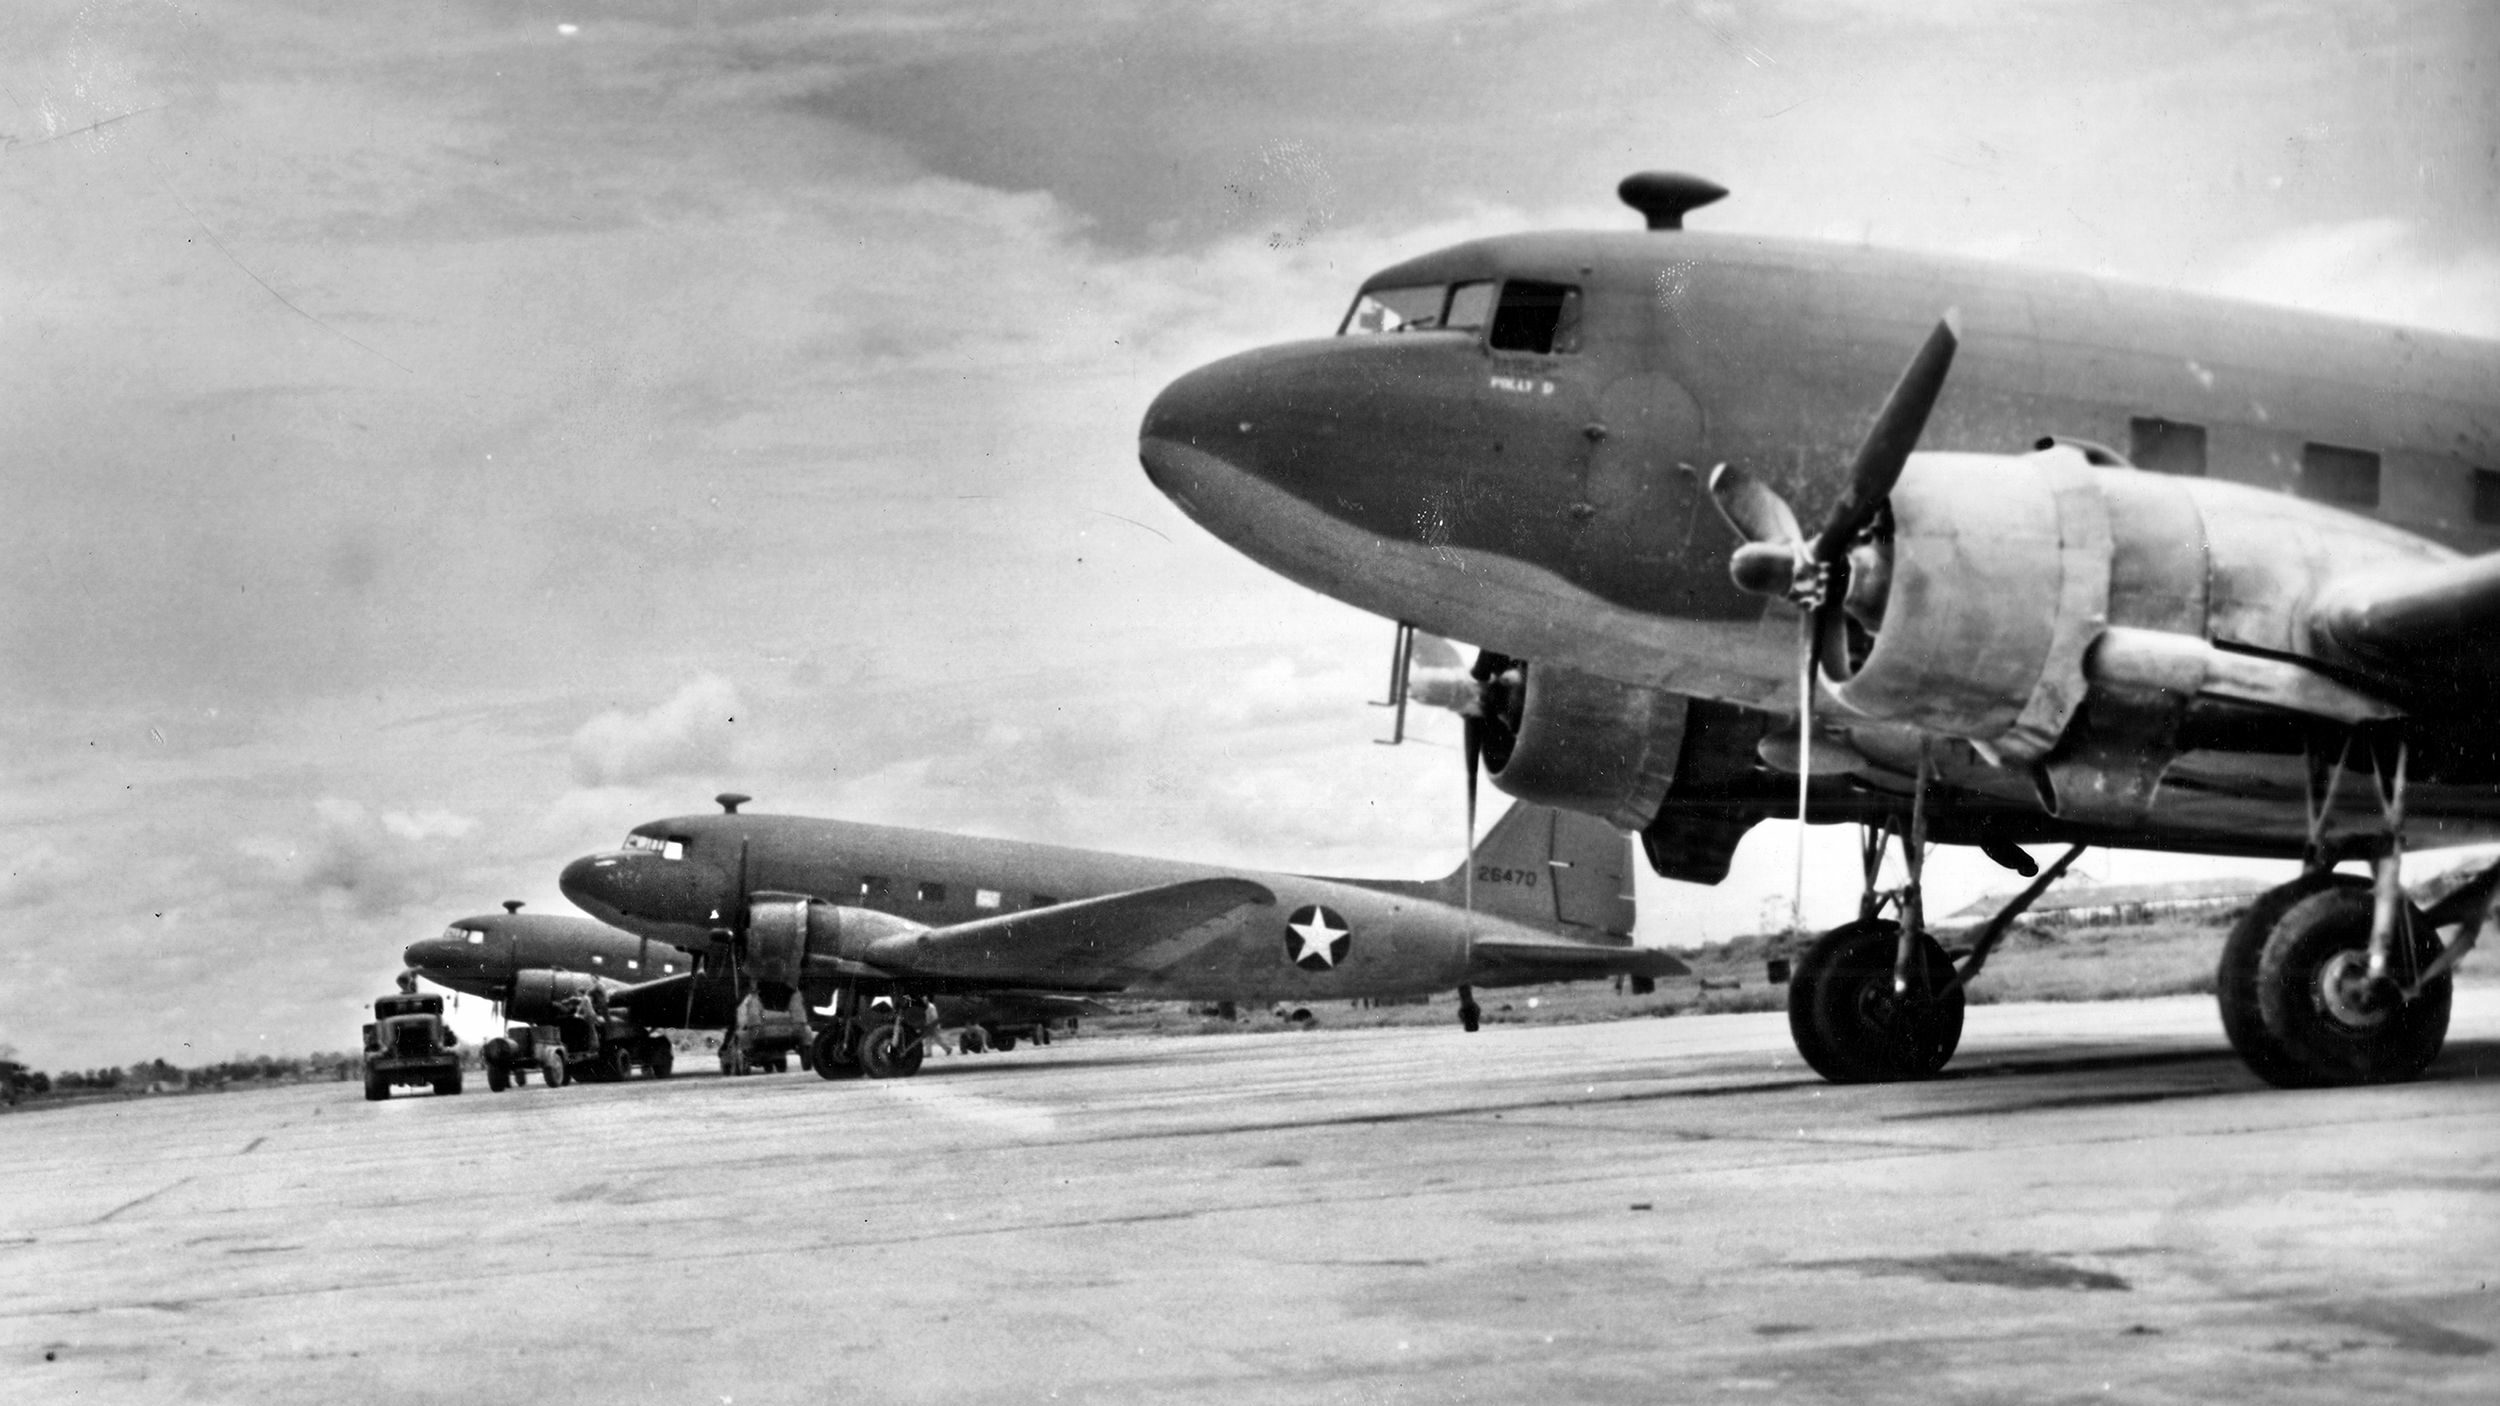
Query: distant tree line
pixel 19 1083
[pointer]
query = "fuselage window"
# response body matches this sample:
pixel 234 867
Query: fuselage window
pixel 668 966
pixel 1416 309
pixel 2347 478
pixel 1542 318
pixel 673 849
pixel 933 893
pixel 2486 496
pixel 2166 446
pixel 598 961
pixel 985 898
pixel 476 937
pixel 875 886
pixel 1042 900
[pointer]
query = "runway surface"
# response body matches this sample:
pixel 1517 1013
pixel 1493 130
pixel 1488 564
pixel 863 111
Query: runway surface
pixel 2099 1205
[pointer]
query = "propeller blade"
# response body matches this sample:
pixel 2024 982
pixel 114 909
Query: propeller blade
pixel 1472 745
pixel 1749 505
pixel 1887 446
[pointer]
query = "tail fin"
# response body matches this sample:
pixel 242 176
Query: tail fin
pixel 1552 869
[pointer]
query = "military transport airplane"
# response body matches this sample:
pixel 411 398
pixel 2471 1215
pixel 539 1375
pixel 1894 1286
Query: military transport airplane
pixel 1590 453
pixel 828 917
pixel 535 964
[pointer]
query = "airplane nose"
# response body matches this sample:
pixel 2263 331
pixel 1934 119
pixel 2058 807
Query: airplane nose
pixel 595 883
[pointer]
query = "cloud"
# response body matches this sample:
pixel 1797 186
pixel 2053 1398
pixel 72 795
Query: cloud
pixel 2380 269
pixel 692 734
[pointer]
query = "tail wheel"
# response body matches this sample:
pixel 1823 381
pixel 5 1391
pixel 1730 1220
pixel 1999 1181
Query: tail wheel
pixel 1850 1024
pixel 2325 1022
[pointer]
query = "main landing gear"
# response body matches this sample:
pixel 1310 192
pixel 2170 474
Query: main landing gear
pixel 1879 1000
pixel 2332 979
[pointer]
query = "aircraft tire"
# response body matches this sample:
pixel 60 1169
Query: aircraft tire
pixel 910 1054
pixel 377 1088
pixel 659 1057
pixel 498 1076
pixel 2235 976
pixel 2309 989
pixel 1848 1024
pixel 877 1057
pixel 831 1057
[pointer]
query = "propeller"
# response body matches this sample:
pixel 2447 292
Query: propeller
pixel 1819 575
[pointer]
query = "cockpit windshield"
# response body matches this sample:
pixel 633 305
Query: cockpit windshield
pixel 1435 307
pixel 666 849
pixel 461 934
pixel 1543 318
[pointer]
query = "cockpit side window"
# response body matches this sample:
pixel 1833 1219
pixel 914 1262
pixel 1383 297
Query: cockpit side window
pixel 1471 306
pixel 1542 318
pixel 672 849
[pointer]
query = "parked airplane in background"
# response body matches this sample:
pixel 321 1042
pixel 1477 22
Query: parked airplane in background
pixel 1591 452
pixel 535 965
pixel 830 916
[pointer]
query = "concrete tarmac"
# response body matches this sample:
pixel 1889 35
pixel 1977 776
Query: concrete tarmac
pixel 2099 1204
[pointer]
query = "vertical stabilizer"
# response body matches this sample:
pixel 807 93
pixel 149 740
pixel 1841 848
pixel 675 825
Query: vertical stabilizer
pixel 1556 870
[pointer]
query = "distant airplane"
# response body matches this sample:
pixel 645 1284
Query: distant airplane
pixel 1591 453
pixel 827 917
pixel 535 965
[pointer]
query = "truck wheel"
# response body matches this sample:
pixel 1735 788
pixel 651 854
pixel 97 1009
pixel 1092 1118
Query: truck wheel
pixel 552 1065
pixel 377 1088
pixel 659 1057
pixel 619 1064
pixel 448 1085
pixel 973 1040
pixel 1003 1043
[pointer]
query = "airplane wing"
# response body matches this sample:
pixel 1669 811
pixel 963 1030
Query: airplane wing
pixel 1080 946
pixel 2428 624
pixel 1515 958
pixel 661 1002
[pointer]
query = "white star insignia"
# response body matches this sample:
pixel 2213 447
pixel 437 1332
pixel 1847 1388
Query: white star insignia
pixel 1317 937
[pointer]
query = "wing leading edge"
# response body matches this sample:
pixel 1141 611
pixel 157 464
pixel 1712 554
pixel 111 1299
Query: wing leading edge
pixel 1081 946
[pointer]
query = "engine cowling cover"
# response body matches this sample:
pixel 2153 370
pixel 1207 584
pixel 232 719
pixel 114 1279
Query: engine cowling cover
pixel 785 932
pixel 1592 745
pixel 2000 581
pixel 540 993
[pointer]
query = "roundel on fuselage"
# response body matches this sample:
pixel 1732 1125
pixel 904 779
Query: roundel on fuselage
pixel 1317 938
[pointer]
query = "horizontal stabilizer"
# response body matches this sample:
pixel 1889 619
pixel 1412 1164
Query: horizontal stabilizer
pixel 1512 959
pixel 1080 946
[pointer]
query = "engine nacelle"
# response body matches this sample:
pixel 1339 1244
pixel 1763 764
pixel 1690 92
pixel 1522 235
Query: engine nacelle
pixel 539 994
pixel 1999 582
pixel 1579 742
pixel 788 932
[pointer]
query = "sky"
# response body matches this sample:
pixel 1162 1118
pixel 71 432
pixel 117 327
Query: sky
pixel 441 437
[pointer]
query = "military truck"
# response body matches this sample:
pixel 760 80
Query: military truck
pixel 408 1043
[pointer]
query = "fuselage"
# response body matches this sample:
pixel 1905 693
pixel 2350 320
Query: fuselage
pixel 484 955
pixel 1534 480
pixel 678 881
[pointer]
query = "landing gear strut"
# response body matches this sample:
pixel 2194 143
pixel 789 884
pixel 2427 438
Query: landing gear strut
pixel 1470 1015
pixel 1879 1001
pixel 2333 980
